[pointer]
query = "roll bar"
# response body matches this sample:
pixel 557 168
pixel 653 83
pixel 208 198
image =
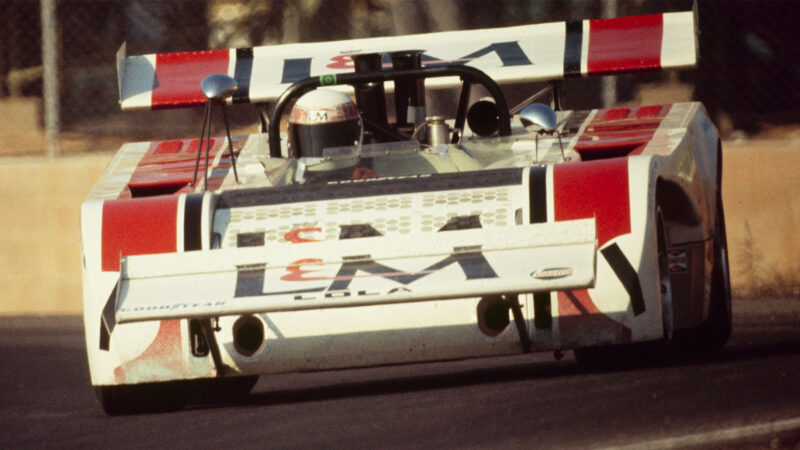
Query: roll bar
pixel 467 74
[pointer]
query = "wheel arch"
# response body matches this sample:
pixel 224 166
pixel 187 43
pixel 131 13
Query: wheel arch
pixel 681 215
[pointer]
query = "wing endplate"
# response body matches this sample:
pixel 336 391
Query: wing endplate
pixel 540 52
pixel 357 272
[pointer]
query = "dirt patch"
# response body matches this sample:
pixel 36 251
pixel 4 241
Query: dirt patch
pixel 40 262
pixel 760 188
pixel 22 132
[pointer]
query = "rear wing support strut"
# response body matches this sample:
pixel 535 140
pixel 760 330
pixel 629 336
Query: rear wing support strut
pixel 554 88
pixel 213 346
pixel 461 113
pixel 519 321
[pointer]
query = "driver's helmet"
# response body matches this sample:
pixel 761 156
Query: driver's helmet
pixel 321 119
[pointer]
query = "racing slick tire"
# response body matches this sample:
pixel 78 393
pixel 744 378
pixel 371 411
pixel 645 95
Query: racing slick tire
pixel 143 398
pixel 172 395
pixel 223 390
pixel 711 335
pixel 621 356
pixel 701 341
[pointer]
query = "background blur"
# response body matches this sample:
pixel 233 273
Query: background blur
pixel 748 75
pixel 60 120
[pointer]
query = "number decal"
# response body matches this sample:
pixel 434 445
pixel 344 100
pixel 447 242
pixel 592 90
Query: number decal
pixel 344 62
pixel 296 272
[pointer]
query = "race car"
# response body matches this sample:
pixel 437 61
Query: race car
pixel 356 229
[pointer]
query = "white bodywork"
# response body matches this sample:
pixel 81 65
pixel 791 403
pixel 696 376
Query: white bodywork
pixel 399 268
pixel 390 328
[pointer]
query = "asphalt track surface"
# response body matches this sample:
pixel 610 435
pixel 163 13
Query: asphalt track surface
pixel 746 397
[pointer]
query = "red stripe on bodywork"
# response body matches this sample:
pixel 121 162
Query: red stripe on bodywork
pixel 596 189
pixel 178 77
pixel 625 44
pixel 168 166
pixel 615 114
pixel 162 357
pixel 652 112
pixel 580 323
pixel 620 132
pixel 168 147
pixel 148 225
pixel 138 226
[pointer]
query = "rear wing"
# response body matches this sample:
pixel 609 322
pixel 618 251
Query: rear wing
pixel 541 52
pixel 358 272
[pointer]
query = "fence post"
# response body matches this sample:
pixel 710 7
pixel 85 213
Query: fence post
pixel 609 83
pixel 50 75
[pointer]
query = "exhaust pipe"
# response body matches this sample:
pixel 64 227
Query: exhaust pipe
pixel 483 117
pixel 370 97
pixel 493 315
pixel 409 93
pixel 248 335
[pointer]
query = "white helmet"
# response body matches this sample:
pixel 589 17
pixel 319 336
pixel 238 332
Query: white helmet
pixel 321 119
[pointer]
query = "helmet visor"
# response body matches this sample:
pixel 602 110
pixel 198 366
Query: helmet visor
pixel 312 139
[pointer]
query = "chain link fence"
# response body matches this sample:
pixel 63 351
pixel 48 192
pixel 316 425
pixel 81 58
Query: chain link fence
pixel 749 72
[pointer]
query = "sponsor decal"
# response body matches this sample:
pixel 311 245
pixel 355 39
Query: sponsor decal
pixel 314 114
pixel 677 260
pixel 295 237
pixel 553 273
pixel 359 180
pixel 250 278
pixel 510 54
pixel 326 80
pixel 174 306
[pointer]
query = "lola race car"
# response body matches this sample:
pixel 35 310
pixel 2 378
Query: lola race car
pixel 353 234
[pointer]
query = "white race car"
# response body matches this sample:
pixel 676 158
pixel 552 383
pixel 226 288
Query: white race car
pixel 347 234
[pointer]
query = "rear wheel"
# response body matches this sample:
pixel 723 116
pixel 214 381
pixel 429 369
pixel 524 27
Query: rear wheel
pixel 223 390
pixel 623 356
pixel 664 284
pixel 710 336
pixel 238 387
pixel 143 398
pixel 172 395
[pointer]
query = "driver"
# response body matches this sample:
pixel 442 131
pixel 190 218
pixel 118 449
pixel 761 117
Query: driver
pixel 321 119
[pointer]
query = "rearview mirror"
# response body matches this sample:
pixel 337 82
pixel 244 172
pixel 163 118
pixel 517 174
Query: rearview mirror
pixel 539 115
pixel 544 118
pixel 218 86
